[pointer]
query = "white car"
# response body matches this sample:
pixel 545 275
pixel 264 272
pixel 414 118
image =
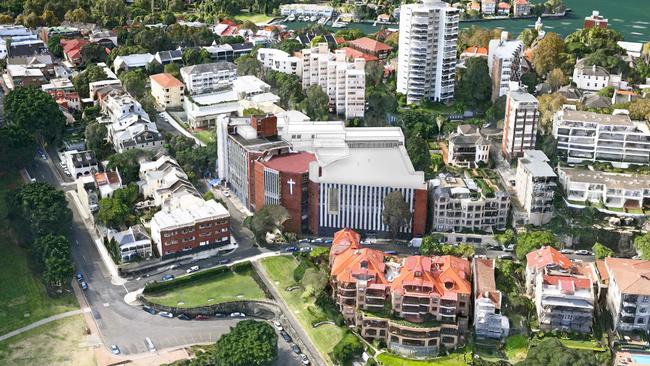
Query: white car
pixel 237 315
pixel 192 269
pixel 115 349
pixel 566 251
pixel 583 252
pixel 277 325
pixel 304 359
pixel 226 194
pixel 166 314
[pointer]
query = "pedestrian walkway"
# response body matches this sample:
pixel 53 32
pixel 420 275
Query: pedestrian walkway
pixel 180 128
pixel 38 323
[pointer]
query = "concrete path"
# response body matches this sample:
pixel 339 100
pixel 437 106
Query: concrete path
pixel 38 323
pixel 180 128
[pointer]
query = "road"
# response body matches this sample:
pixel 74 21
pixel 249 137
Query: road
pixel 125 325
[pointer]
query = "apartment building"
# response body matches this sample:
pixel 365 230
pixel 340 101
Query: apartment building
pixel 204 78
pixel 167 90
pixel 163 179
pixel 520 124
pixel 344 82
pixel 133 243
pixel 488 7
pixel 467 147
pixel 535 183
pixel 588 136
pixel 563 291
pixel 619 192
pixel 188 224
pixel 428 33
pixel 628 293
pixel 278 60
pixel 504 63
pixel 416 305
pixel 475 204
pixel 488 320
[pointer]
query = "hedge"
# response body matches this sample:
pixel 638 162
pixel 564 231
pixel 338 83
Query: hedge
pixel 242 267
pixel 184 280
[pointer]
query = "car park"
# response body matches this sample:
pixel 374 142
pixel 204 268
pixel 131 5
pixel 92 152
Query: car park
pixel 115 349
pixel 583 252
pixel 192 269
pixel 166 314
pixel 277 325
pixel 184 317
pixel 304 359
pixel 295 349
pixel 84 285
pixel 167 277
pixel 285 336
pixel 79 277
pixel 149 310
pixel 567 251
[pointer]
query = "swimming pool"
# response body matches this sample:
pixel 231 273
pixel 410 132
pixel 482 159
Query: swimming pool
pixel 641 359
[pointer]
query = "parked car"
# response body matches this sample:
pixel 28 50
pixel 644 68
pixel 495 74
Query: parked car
pixel 237 315
pixel 317 241
pixel 304 241
pixel 224 261
pixel 167 277
pixel 305 249
pixel 226 194
pixel 277 325
pixel 510 248
pixel 62 164
pixel 506 257
pixel 79 277
pixel 201 317
pixel 567 251
pixel 166 314
pixel 295 349
pixel 583 252
pixel 115 349
pixel 285 336
pixel 67 172
pixel 184 317
pixel 84 285
pixel 328 241
pixel 390 252
pixel 304 359
pixel 149 309
pixel 219 315
pixel 290 249
pixel 149 344
pixel 192 269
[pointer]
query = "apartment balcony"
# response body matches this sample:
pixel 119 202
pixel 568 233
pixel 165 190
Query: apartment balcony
pixel 628 312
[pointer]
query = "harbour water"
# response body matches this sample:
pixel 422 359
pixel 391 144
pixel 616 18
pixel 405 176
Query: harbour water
pixel 630 17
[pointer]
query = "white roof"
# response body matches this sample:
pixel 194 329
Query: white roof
pixel 22 71
pixel 135 60
pixel 265 98
pixel 188 210
pixel 210 99
pixel 249 84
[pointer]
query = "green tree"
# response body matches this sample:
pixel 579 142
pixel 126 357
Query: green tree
pixel 78 15
pixel 640 109
pixel 259 338
pixel 191 56
pixel 350 34
pixel 418 151
pixel 127 164
pixel 248 65
pixel 91 74
pixel 316 103
pixel 549 104
pixel 54 45
pixel 42 208
pixel 551 352
pixel 36 112
pixel 135 82
pixel 109 13
pixel 548 54
pixel 17 148
pixel 93 53
pixel 556 79
pixel 252 112
pixel 601 251
pixel 506 238
pixel 54 254
pixel 290 45
pixel 474 85
pixel 528 36
pixel 642 245
pixel 116 211
pixel 531 240
pixel 396 214
pixel 174 69
pixel 347 349
pixel 267 219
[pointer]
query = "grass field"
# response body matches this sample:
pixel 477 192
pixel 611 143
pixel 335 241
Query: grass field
pixel 206 136
pixel 516 348
pixel 61 342
pixel 280 269
pixel 583 345
pixel 223 287
pixel 23 299
pixel 255 18
pixel 454 359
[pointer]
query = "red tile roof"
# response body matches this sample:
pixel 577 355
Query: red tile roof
pixel 475 51
pixel 353 264
pixel 485 283
pixel 521 2
pixel 166 80
pixel 352 53
pixel 371 45
pixel 546 255
pixel 503 5
pixel 445 276
pixel 72 47
pixel 632 276
pixel 567 284
pixel 290 163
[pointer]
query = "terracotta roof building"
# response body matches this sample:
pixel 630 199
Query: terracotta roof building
pixel 167 90
pixel 371 47
pixel 351 54
pixel 474 52
pixel 488 320
pixel 72 49
pixel 628 293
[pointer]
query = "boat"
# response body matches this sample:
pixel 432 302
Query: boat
pixel 322 20
pixel 291 18
pixel 338 24
pixel 301 18
pixel 314 18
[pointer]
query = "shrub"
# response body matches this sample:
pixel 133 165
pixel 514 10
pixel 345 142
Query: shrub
pixel 347 348
pixel 299 272
pixel 242 267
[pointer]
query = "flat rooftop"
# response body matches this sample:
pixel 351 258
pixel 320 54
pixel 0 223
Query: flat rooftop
pixel 605 119
pixel 627 181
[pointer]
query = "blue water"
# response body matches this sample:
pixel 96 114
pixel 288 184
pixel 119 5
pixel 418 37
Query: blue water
pixel 641 359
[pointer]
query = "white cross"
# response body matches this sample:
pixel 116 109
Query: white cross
pixel 291 183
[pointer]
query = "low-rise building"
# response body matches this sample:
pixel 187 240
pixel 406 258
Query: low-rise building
pixel 163 179
pixel 88 194
pixel 133 243
pixel 64 93
pixel 521 8
pixel 467 147
pixel 628 293
pixel 20 75
pixel 278 60
pixel 130 62
pixel 503 8
pixel 535 182
pixel 562 290
pixel 474 52
pixel 488 320
pixel 590 77
pixel 488 7
pixel 204 78
pixel 168 57
pixel 619 192
pixel 72 50
pixel 167 90
pixel 81 163
pixel 190 224
pixel 108 182
pixel 588 136
pixel 595 20
pixel 462 204
pixel 371 47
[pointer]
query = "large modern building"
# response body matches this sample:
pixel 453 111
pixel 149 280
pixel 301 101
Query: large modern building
pixel 628 293
pixel 618 191
pixel 467 147
pixel 474 204
pixel 488 320
pixel 278 60
pixel 562 290
pixel 520 124
pixel 535 182
pixel 416 305
pixel 428 33
pixel 588 136
pixel 504 63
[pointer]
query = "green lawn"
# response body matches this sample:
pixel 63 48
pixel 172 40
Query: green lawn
pixel 223 287
pixel 255 18
pixel 23 299
pixel 454 359
pixel 206 136
pixel 583 345
pixel 280 270
pixel 516 348
pixel 61 342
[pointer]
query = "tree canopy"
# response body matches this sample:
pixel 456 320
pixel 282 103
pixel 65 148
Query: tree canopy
pixel 601 251
pixel 127 164
pixel 267 219
pixel 316 103
pixel 474 86
pixel 91 74
pixel 531 240
pixel 42 207
pixel 551 352
pixel 548 54
pixel 642 245
pixel 54 254
pixel 117 211
pixel 396 214
pixel 17 148
pixel 347 349
pixel 36 112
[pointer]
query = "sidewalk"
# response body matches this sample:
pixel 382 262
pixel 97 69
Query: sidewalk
pixel 180 128
pixel 38 323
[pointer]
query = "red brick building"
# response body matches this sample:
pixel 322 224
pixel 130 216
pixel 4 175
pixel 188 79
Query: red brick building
pixel 595 21
pixel 284 180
